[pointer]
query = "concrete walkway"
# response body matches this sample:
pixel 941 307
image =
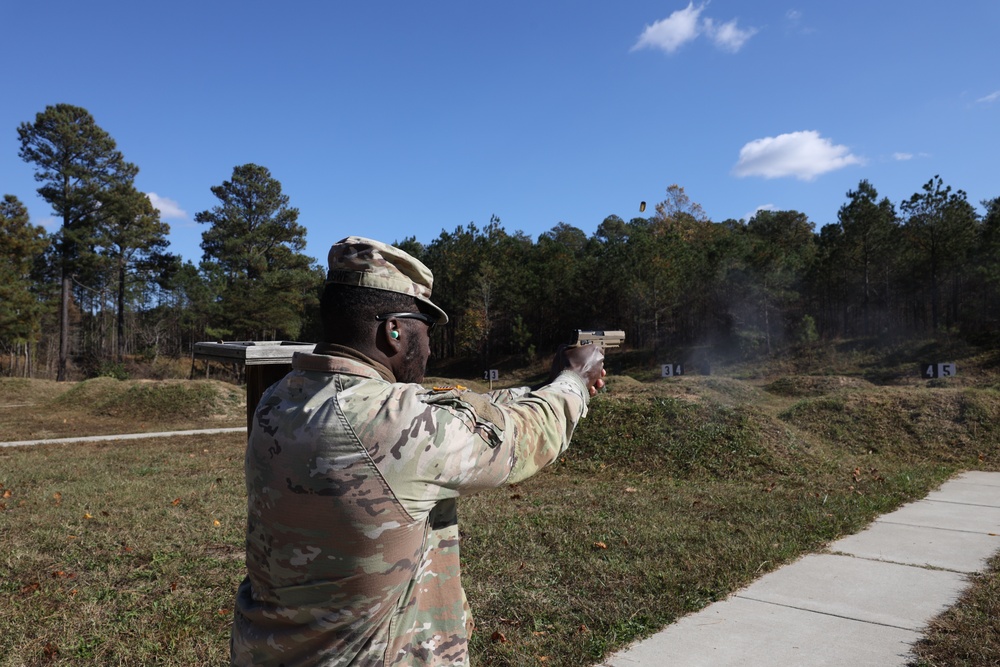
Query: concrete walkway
pixel 864 601
pixel 123 436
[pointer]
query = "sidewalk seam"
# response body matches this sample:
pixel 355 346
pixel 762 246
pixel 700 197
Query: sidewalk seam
pixel 826 613
pixel 935 568
pixel 948 530
pixel 958 502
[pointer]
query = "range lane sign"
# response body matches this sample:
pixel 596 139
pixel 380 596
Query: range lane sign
pixel 938 370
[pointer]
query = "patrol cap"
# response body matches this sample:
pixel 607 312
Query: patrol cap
pixel 367 263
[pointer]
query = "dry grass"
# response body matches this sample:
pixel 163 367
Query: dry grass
pixel 41 409
pixel 968 634
pixel 120 554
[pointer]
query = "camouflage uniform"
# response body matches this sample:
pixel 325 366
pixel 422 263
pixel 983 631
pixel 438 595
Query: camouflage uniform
pixel 352 538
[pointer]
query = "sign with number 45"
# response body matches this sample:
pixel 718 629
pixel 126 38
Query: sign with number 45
pixel 938 370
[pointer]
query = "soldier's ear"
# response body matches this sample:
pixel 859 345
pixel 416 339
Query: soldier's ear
pixel 392 332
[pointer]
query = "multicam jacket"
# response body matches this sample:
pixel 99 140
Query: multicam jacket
pixel 352 536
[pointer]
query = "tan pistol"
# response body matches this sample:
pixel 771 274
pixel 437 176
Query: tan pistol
pixel 604 338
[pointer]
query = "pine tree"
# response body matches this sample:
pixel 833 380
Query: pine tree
pixel 75 160
pixel 254 243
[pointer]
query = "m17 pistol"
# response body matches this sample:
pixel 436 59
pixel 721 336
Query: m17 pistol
pixel 603 338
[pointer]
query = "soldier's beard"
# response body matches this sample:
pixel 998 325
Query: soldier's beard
pixel 414 365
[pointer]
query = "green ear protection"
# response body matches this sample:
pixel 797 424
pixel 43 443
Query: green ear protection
pixel 394 334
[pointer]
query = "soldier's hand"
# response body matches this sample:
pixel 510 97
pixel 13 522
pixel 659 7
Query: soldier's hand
pixel 587 361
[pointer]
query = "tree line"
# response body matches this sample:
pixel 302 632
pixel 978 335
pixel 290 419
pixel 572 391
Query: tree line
pixel 103 290
pixel 678 280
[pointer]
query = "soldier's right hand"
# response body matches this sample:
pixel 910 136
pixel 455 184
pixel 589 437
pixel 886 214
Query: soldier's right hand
pixel 587 361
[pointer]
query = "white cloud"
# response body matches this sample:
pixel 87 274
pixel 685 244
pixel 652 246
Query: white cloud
pixel 794 23
pixel 903 157
pixel 672 32
pixel 992 97
pixel 804 155
pixel 762 207
pixel 168 208
pixel 49 224
pixel 728 36
pixel 686 25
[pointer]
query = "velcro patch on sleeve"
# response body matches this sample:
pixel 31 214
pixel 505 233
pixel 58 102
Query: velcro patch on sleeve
pixel 480 413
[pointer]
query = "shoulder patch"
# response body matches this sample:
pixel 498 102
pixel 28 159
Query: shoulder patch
pixel 478 411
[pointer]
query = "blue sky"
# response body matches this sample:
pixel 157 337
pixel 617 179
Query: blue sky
pixel 396 119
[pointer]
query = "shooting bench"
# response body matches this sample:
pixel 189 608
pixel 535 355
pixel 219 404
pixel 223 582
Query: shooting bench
pixel 265 362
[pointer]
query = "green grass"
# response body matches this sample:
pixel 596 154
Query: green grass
pixel 674 494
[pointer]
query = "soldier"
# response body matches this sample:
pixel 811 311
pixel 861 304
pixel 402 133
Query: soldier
pixel 353 469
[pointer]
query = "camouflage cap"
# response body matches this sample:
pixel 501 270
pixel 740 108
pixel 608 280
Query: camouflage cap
pixel 367 263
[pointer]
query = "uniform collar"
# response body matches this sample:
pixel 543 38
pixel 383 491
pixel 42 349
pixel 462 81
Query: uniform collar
pixel 331 358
